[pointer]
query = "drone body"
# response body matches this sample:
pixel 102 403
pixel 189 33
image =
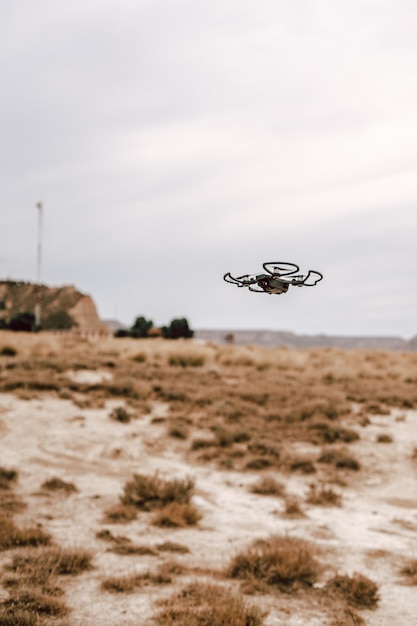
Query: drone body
pixel 279 276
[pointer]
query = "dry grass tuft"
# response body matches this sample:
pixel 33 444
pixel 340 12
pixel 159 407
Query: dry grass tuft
pixel 151 492
pixel 131 582
pixel 202 604
pixel 186 360
pixel 7 477
pixel 119 414
pixel 268 486
pixel 340 459
pixel 56 484
pixel 358 590
pixel 293 507
pixel 33 603
pixel 8 351
pixel 384 438
pixel 12 537
pixel 409 570
pixel 176 515
pixel 120 514
pixel 348 617
pixel 37 567
pixel 172 546
pixel 321 495
pixel 283 562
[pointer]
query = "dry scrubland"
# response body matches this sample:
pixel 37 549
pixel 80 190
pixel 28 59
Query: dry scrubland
pixel 171 483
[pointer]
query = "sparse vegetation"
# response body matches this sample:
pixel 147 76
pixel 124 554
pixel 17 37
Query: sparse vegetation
pixel 268 486
pixel 176 515
pixel 59 485
pixel 203 604
pixel 358 590
pixel 120 414
pixel 322 495
pixel 151 492
pixel 11 536
pixel 384 438
pixel 284 562
pixel 409 571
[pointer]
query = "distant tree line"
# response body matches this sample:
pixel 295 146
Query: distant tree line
pixel 142 327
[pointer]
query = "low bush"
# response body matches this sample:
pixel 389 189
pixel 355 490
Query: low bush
pixel 34 603
pixel 323 496
pixel 186 360
pixel 58 485
pixel 203 604
pixel 120 514
pixel 7 476
pixel 119 414
pixel 8 351
pixel 268 486
pixel 340 459
pixel 285 562
pixel 12 537
pixel 409 570
pixel 358 590
pixel 175 515
pixel 384 438
pixel 151 492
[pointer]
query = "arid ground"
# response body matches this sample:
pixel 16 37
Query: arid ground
pixel 178 483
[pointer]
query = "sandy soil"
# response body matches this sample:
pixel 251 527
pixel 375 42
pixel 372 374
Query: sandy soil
pixel 373 532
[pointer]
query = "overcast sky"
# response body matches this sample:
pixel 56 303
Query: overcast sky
pixel 171 141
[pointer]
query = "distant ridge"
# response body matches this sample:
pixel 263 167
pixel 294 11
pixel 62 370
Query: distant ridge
pixel 273 339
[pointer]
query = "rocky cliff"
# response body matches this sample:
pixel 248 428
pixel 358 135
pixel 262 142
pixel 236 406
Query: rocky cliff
pixel 61 307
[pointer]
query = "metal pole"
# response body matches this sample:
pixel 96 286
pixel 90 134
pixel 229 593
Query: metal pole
pixel 38 269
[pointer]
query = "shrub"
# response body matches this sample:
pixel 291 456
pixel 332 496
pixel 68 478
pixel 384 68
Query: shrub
pixel 340 459
pixel 7 476
pixel 121 514
pixel 12 537
pixel 57 484
pixel 35 603
pixel 384 438
pixel 268 486
pixel 119 414
pixel 22 322
pixel 293 507
pixel 150 492
pixel 186 360
pixel 202 604
pixel 358 590
pixel 278 561
pixel 323 496
pixel 175 515
pixel 258 463
pixel 410 571
pixel 8 351
pixel 36 567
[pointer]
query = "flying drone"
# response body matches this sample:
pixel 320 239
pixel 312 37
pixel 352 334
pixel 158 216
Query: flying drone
pixel 279 276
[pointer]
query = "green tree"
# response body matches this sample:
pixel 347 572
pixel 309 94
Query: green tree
pixel 23 322
pixel 141 327
pixel 178 328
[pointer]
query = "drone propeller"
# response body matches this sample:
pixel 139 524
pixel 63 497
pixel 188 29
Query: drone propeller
pixel 280 268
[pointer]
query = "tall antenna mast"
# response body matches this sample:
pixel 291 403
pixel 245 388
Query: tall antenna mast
pixel 39 206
